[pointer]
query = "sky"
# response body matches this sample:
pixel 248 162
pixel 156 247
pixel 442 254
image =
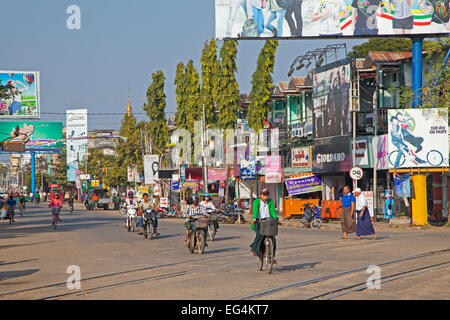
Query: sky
pixel 120 44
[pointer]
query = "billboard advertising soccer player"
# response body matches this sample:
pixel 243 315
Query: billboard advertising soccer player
pixel 22 90
pixel 330 18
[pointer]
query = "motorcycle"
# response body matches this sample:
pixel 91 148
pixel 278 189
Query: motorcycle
pixel 149 223
pixel 10 214
pixel 131 214
pixel 197 237
pixel 212 223
pixel 311 217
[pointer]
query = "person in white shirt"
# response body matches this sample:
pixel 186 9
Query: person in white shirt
pixel 364 225
pixel 329 14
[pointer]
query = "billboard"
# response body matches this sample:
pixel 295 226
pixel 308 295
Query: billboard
pixel 331 155
pixel 23 94
pixel 249 19
pixel 272 169
pixel 42 136
pixel 332 99
pixel 380 152
pixel 151 168
pixel 304 184
pixel 76 142
pixel 300 157
pixel 418 138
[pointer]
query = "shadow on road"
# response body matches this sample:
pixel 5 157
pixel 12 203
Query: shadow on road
pixel 4 263
pixel 15 274
pixel 220 250
pixel 226 238
pixel 297 266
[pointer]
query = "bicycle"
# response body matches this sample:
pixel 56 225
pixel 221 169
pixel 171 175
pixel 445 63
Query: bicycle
pixel 269 229
pixel 433 158
pixel 22 210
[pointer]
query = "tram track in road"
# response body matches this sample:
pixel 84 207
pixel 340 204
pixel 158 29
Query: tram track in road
pixel 62 285
pixel 273 290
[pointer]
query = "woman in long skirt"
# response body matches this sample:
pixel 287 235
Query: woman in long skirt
pixel 364 225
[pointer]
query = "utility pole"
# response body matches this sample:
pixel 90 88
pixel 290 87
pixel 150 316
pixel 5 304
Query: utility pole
pixel 355 105
pixel 205 178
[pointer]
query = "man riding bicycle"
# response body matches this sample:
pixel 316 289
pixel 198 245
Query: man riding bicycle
pixel 263 208
pixel 193 209
pixel 22 203
pixel 11 205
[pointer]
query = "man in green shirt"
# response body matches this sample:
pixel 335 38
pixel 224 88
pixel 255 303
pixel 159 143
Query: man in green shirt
pixel 263 208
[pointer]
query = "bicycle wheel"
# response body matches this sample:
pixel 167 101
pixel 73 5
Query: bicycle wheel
pixel 316 223
pixel 191 246
pixel 201 243
pixel 393 156
pixel 269 254
pixel 435 158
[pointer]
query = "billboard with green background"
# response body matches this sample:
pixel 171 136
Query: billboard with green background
pixel 42 135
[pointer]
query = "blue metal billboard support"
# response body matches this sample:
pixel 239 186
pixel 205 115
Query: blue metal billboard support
pixel 417 71
pixel 33 173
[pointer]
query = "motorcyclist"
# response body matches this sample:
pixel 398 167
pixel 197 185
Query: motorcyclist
pixel 70 201
pixel 143 206
pixel 193 209
pixel 129 202
pixel 207 204
pixel 11 205
pixel 56 204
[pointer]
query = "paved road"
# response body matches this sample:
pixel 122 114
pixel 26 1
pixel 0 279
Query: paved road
pixel 34 255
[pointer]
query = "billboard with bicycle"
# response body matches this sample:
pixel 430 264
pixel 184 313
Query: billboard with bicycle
pixel 249 19
pixel 418 138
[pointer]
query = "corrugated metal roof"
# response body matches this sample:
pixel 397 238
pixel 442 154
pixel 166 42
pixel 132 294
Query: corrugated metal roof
pixel 386 57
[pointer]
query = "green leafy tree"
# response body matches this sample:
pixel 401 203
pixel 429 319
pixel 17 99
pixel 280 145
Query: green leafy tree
pixel 228 100
pixel 210 77
pixel 155 108
pixel 128 152
pixel 379 44
pixel 193 112
pixel 96 161
pixel 181 114
pixel 59 170
pixel 261 84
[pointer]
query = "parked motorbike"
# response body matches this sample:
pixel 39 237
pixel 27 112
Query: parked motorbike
pixel 311 217
pixel 197 237
pixel 149 223
pixel 131 217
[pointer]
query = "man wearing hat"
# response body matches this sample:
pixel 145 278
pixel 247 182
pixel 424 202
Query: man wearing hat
pixel 364 225
pixel 263 207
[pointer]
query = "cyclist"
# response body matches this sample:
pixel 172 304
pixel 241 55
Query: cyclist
pixel 70 202
pixel 263 208
pixel 208 204
pixel 22 203
pixel 56 206
pixel 193 209
pixel 11 205
pixel 144 205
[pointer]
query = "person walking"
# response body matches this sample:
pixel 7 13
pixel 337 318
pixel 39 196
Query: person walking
pixel 263 208
pixel 348 213
pixel 364 225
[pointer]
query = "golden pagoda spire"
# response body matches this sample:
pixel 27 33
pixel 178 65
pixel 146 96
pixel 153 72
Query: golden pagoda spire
pixel 129 110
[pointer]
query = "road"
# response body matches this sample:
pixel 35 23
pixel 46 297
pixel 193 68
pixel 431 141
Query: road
pixel 116 264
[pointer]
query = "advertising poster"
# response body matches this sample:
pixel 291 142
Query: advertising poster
pixel 190 184
pixel 301 185
pixel 132 174
pixel 248 169
pixel 402 185
pixel 22 89
pixel 369 198
pixel 329 18
pixel 217 174
pixel 363 152
pixel 331 155
pixel 76 142
pixel 418 138
pixel 300 157
pixel 45 136
pixel 388 204
pixel 380 152
pixel 151 168
pixel 272 169
pixel 332 99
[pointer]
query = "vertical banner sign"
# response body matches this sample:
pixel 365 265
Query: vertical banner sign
pixel 402 185
pixel 273 169
pixel 380 152
pixel 22 89
pixel 130 174
pixel 151 168
pixel 76 142
pixel 332 99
